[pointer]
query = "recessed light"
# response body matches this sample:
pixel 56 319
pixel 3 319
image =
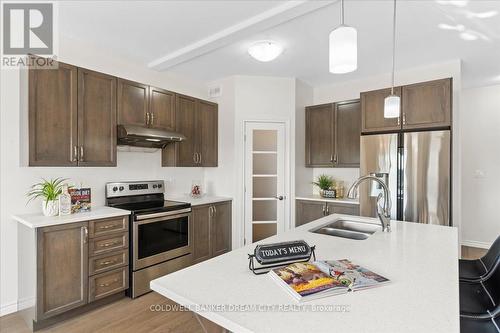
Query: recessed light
pixel 457 3
pixel 482 15
pixel 468 36
pixel 265 50
pixel 458 27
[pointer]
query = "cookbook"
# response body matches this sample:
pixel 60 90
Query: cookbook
pixel 310 280
pixel 80 200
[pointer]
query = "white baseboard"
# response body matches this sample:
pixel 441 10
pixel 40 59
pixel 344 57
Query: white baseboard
pixel 22 304
pixel 481 245
pixel 6 309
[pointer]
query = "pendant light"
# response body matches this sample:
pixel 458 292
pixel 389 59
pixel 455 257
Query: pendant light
pixel 343 47
pixel 392 102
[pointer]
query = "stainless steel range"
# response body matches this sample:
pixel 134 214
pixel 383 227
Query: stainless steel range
pixel 160 231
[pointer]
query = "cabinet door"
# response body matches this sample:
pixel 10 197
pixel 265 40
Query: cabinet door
pixel 185 124
pixel 201 233
pixel 62 268
pixel 427 104
pixel 348 132
pixel 53 116
pixel 221 228
pixel 320 134
pixel 308 210
pixel 96 119
pixel 372 112
pixel 207 128
pixel 162 109
pixel 133 103
pixel 338 208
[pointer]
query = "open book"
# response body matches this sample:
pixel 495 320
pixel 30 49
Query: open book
pixel 310 280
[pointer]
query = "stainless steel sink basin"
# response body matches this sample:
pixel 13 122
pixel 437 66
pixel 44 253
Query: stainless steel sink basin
pixel 348 229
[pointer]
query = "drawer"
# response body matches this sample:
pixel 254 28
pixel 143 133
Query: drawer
pixel 106 262
pixel 108 226
pixel 108 244
pixel 105 284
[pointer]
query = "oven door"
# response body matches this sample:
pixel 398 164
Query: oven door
pixel 159 238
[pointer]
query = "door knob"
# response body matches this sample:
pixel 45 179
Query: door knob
pixel 280 197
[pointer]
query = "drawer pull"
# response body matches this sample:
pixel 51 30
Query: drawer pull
pixel 108 262
pixel 104 227
pixel 109 244
pixel 107 284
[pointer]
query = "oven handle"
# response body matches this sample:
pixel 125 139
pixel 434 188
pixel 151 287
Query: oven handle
pixel 172 214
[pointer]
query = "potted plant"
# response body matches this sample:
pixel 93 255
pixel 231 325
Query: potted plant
pixel 48 191
pixel 324 183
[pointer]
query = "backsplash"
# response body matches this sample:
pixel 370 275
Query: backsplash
pixel 347 175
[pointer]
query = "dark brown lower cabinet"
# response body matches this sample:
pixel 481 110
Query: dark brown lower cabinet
pixel 311 210
pixel 73 268
pixel 62 269
pixel 211 230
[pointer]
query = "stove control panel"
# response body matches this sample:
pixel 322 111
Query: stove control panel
pixel 123 189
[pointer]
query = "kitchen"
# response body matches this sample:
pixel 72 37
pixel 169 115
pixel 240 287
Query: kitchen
pixel 239 101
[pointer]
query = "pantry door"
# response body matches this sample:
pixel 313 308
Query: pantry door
pixel 265 180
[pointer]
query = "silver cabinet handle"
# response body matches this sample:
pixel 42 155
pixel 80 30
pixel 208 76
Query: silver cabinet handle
pixel 331 158
pixel 210 211
pixel 195 158
pixel 215 210
pixel 327 209
pixel 404 118
pixel 107 284
pixel 199 158
pixel 335 158
pixel 152 118
pixel 323 209
pixel 147 118
pixel 75 154
pixel 81 153
pixel 85 231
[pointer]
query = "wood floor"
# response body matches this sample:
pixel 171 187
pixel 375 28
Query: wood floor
pixel 472 252
pixel 135 316
pixel 123 316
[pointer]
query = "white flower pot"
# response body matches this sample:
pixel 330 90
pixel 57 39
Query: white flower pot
pixel 50 208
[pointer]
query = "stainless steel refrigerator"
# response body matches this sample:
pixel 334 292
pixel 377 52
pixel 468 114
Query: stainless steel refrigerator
pixel 417 168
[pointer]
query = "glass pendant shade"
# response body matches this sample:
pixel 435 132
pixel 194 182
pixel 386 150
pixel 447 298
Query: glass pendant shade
pixel 391 106
pixel 343 50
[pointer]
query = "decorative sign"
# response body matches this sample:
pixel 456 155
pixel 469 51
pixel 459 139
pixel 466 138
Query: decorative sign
pixel 281 252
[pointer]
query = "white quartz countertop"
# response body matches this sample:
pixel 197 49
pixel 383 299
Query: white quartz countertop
pixel 420 260
pixel 204 200
pixel 314 197
pixel 37 220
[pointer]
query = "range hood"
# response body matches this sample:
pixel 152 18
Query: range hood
pixel 139 136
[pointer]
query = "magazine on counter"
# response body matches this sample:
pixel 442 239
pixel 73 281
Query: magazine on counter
pixel 310 280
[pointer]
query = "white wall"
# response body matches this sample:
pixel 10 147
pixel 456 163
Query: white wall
pixel 16 178
pixel 480 165
pixel 253 98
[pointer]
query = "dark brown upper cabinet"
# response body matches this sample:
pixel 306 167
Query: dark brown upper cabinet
pixel 427 104
pixel 372 111
pixel 197 120
pixel 53 118
pixel 424 105
pixel 133 103
pixel 72 117
pixel 161 109
pixel 320 135
pixel 347 133
pixel 332 134
pixel 96 119
pixel 207 131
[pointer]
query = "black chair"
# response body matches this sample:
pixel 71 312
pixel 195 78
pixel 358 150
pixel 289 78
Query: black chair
pixel 485 323
pixel 480 297
pixel 475 270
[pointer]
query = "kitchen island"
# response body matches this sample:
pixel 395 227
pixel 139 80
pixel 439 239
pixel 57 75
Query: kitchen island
pixel 420 260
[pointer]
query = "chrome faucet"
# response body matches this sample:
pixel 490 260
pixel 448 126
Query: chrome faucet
pixel 383 212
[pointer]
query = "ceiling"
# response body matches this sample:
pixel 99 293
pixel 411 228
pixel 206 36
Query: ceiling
pixel 147 30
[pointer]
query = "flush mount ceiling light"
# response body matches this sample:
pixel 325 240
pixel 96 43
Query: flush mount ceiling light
pixel 343 47
pixel 265 50
pixel 392 102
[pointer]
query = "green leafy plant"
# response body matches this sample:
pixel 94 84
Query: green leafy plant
pixel 48 190
pixel 324 182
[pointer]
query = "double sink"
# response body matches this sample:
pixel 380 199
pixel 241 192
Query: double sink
pixel 348 229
